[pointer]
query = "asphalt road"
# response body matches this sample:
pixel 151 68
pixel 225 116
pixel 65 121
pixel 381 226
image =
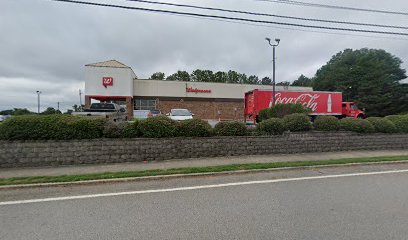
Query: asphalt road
pixel 290 204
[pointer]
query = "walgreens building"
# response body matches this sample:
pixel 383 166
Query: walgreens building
pixel 113 81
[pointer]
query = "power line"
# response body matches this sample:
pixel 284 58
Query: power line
pixel 268 15
pixel 232 18
pixel 302 30
pixel 334 7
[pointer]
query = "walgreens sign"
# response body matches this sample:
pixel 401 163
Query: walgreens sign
pixel 107 81
pixel 196 90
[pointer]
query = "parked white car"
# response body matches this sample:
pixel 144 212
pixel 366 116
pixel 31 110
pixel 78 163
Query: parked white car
pixel 180 114
pixel 4 117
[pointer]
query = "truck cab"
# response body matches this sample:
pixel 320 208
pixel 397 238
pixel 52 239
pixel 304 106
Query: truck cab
pixel 111 111
pixel 350 109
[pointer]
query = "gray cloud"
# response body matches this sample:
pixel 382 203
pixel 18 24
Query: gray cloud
pixel 45 44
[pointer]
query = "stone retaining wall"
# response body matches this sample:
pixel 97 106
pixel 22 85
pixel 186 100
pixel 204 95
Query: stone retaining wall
pixel 96 151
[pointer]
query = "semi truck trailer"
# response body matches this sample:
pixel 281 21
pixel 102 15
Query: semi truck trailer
pixel 319 103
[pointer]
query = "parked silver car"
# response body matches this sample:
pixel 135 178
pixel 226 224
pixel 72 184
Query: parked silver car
pixel 180 114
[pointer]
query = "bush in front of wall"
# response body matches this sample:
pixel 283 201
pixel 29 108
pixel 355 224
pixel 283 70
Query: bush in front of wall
pixel 230 128
pixel 51 127
pixel 272 126
pixel 194 128
pixel 157 127
pixel 297 122
pixel 356 125
pixel 122 130
pixel 282 110
pixel 326 123
pixel 264 114
pixel 382 125
pixel 400 121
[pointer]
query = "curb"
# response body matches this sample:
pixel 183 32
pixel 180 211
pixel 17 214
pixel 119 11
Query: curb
pixel 174 176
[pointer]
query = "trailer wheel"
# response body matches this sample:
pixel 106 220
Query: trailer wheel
pixel 361 116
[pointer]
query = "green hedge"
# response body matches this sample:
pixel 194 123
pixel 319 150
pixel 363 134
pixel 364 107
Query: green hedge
pixel 263 114
pixel 382 125
pixel 122 130
pixel 281 110
pixel 356 125
pixel 158 127
pixel 272 126
pixel 400 121
pixel 194 128
pixel 65 127
pixel 232 128
pixel 297 122
pixel 326 123
pixel 44 127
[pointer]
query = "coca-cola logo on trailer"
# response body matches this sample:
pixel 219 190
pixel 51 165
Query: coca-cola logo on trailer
pixel 107 81
pixel 308 100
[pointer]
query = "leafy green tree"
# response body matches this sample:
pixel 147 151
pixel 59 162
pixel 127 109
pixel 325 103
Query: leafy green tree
pixel 369 77
pixel 266 81
pixel 78 108
pixel 16 111
pixel 157 76
pixel 7 112
pixel 242 78
pixel 233 77
pixel 221 77
pixel 51 110
pixel 252 80
pixel 302 81
pixel 179 76
pixel 202 76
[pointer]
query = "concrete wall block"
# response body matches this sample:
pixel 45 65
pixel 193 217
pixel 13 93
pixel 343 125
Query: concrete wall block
pixel 45 153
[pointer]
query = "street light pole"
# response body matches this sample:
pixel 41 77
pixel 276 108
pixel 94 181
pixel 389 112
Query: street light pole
pixel 277 40
pixel 38 101
pixel 80 99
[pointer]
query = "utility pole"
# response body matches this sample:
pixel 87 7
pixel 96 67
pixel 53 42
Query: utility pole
pixel 58 105
pixel 38 101
pixel 80 99
pixel 277 40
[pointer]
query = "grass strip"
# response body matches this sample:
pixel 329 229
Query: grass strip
pixel 222 168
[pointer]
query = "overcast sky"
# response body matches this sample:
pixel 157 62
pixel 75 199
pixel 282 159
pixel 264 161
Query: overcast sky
pixel 44 45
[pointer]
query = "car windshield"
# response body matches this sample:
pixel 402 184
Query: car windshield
pixel 180 112
pixel 141 112
pixel 155 111
pixel 102 106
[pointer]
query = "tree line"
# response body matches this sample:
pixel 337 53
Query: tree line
pixel 209 76
pixel 226 77
pixel 370 77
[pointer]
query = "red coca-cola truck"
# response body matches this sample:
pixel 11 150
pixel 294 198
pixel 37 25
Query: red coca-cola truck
pixel 320 103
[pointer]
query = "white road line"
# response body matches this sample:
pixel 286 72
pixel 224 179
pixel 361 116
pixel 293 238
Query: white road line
pixel 196 187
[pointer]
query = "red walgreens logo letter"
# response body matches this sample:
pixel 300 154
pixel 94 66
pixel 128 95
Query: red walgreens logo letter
pixel 107 81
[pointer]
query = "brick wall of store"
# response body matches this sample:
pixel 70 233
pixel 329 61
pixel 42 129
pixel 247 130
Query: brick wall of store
pixel 206 109
pixel 99 151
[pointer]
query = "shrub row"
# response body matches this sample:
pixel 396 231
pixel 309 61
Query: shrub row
pixel 281 110
pixel 300 122
pixel 65 127
pixel 46 127
pixel 295 122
